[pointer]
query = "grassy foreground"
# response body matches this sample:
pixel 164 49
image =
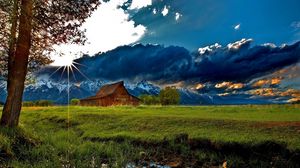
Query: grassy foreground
pixel 179 136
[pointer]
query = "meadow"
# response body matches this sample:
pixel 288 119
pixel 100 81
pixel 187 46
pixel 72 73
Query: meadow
pixel 174 136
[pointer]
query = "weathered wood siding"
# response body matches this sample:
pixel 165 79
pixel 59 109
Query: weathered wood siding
pixel 119 97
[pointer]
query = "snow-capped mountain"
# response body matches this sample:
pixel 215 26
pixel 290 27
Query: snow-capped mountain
pixel 142 87
pixel 193 98
pixel 45 89
pixel 59 91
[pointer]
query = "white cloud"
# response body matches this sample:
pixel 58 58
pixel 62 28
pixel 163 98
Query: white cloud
pixel 209 49
pixel 165 11
pixel 237 27
pixel 177 16
pixel 107 28
pixel 154 11
pixel 296 25
pixel 237 45
pixel 272 45
pixel 110 27
pixel 138 4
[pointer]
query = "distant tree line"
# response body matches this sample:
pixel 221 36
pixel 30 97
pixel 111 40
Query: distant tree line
pixel 149 99
pixel 167 96
pixel 38 103
pixel 296 102
pixel 45 103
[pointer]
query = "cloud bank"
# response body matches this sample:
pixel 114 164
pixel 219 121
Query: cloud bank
pixel 236 62
pixel 239 61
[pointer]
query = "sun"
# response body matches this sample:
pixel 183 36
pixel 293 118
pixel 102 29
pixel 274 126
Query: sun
pixel 65 54
pixel 63 61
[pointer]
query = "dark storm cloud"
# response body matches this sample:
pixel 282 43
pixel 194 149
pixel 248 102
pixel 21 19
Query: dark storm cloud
pixel 138 62
pixel 237 62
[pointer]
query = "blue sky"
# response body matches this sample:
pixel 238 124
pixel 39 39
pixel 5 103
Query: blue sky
pixel 228 48
pixel 191 24
pixel 206 22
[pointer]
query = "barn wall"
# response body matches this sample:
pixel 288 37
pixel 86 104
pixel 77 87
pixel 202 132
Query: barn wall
pixel 119 97
pixel 122 97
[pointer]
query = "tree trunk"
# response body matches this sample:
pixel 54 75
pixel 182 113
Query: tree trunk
pixel 13 33
pixel 18 68
pixel 12 38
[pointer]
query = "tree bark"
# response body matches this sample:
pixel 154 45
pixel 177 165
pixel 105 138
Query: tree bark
pixel 17 71
pixel 13 33
pixel 12 38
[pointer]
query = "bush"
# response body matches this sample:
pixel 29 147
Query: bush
pixel 75 102
pixel 43 103
pixel 169 96
pixel 37 103
pixel 28 104
pixel 150 99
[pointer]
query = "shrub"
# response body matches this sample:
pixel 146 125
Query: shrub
pixel 28 103
pixel 43 103
pixel 169 96
pixel 75 102
pixel 150 99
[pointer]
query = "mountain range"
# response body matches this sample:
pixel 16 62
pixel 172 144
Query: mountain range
pixel 211 75
pixel 45 89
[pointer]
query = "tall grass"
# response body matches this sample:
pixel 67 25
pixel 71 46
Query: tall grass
pixel 116 136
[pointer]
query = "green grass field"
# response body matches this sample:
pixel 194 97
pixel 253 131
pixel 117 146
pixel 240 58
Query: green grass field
pixel 91 136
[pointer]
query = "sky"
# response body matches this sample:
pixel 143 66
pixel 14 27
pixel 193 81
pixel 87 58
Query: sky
pixel 239 49
pixel 193 24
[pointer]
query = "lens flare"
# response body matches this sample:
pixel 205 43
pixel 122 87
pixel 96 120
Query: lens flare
pixel 69 68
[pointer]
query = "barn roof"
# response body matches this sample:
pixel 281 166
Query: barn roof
pixel 106 90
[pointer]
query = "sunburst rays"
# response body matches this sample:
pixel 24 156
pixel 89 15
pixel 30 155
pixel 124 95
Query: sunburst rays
pixel 70 71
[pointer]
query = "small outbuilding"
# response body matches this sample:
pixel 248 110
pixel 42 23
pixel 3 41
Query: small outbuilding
pixel 111 94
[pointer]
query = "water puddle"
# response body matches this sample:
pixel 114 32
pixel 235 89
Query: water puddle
pixel 151 165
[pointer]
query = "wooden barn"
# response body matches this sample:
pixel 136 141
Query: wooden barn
pixel 111 94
